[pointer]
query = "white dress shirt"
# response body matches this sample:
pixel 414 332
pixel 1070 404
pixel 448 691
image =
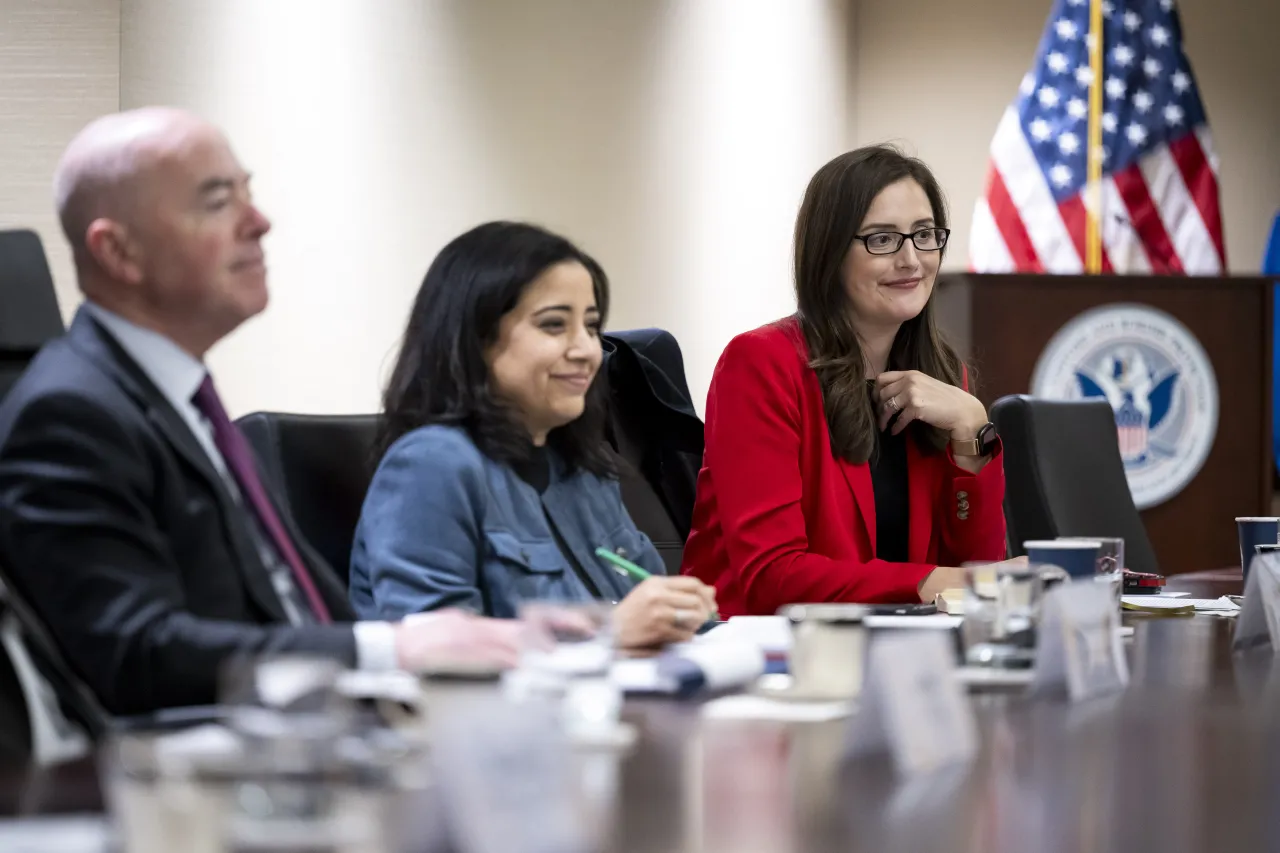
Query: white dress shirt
pixel 178 375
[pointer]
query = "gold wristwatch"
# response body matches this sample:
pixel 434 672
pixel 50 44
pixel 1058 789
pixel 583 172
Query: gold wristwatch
pixel 980 445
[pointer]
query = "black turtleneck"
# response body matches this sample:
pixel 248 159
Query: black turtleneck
pixel 889 480
pixel 535 469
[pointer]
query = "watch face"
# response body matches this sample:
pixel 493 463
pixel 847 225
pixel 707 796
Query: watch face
pixel 986 437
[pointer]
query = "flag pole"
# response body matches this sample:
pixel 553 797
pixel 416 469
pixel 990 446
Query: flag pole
pixel 1093 153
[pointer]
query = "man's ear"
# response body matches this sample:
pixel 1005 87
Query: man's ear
pixel 115 251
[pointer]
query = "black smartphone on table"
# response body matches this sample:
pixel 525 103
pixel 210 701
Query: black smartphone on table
pixel 902 609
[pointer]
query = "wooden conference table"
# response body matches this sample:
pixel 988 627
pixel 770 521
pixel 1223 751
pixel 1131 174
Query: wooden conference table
pixel 1187 759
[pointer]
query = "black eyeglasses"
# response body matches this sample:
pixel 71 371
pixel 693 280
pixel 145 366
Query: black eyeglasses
pixel 888 242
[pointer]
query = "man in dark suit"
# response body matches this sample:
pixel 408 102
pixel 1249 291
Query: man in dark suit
pixel 132 515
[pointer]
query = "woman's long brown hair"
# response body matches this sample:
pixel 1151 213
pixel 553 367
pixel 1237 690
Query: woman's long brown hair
pixel 835 204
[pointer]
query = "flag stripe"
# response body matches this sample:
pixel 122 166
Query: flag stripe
pixel 1004 213
pixel 1146 220
pixel 1026 186
pixel 1206 145
pixel 1178 212
pixel 1196 173
pixel 1075 216
pixel 987 248
pixel 1124 246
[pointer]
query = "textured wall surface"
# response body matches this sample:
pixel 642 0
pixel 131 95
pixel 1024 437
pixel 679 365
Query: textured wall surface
pixel 59 68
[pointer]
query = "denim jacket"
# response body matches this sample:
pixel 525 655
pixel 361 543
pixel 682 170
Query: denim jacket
pixel 445 526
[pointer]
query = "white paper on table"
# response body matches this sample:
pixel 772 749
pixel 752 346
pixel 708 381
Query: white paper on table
pixel 725 665
pixel 744 706
pixel 933 621
pixel 711 666
pixel 1219 605
pixel 1154 602
pixel 770 633
pixel 1150 602
pixel 773 633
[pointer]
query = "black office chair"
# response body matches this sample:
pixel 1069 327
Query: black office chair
pixel 29 315
pixel 653 426
pixel 322 465
pixel 29 318
pixel 1064 476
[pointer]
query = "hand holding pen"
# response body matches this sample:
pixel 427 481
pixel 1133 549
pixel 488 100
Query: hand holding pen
pixel 659 609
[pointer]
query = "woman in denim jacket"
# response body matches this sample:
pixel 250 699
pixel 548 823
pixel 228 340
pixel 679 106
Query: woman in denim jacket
pixel 495 484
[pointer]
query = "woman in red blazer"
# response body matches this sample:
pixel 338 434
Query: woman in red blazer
pixel 845 459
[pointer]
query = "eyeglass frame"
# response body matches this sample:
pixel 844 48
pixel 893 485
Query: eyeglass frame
pixel 902 239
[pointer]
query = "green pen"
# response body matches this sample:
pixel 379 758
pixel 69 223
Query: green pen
pixel 626 568
pixel 622 565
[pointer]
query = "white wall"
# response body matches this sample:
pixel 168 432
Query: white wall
pixel 59 68
pixel 671 139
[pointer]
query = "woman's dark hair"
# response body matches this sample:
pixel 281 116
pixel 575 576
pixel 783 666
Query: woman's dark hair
pixel 441 376
pixel 835 204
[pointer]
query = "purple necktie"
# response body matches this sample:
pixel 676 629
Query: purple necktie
pixel 235 452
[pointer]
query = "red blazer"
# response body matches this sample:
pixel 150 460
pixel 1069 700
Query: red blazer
pixel 780 520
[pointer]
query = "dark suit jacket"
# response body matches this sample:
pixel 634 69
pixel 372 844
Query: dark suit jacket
pixel 117 529
pixel 652 420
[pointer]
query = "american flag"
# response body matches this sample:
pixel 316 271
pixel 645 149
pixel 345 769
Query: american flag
pixel 1159 190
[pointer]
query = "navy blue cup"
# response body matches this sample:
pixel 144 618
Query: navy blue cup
pixel 1077 557
pixel 1255 531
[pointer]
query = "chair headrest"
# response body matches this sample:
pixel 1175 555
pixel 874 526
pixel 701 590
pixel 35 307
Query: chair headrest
pixel 660 348
pixel 1087 409
pixel 29 315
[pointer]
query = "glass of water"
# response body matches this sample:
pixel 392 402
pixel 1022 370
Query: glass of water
pixel 306 778
pixel 1001 609
pixel 566 654
pixel 156 798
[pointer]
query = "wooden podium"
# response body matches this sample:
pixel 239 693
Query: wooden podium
pixel 1002 324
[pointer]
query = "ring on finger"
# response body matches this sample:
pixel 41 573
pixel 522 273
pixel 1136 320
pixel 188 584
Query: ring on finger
pixel 894 404
pixel 681 618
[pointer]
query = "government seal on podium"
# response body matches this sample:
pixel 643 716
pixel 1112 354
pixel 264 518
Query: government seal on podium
pixel 1158 380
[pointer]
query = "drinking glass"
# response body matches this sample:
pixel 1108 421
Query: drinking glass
pixel 1001 609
